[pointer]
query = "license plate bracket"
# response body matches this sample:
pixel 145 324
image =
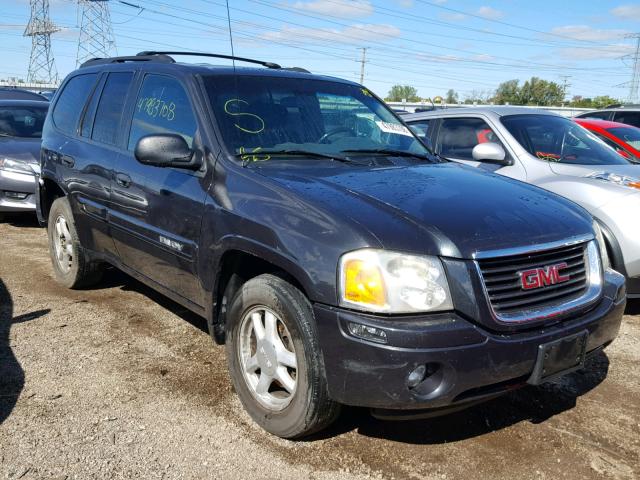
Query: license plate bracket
pixel 559 357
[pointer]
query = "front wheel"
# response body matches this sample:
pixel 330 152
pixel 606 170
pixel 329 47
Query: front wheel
pixel 274 358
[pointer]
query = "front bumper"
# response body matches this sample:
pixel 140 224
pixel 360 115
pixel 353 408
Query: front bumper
pixel 17 192
pixel 467 362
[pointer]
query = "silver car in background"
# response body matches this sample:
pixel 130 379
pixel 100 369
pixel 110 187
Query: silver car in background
pixel 21 124
pixel 551 152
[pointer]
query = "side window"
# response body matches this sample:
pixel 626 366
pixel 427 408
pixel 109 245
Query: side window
pixel 109 113
pixel 71 102
pixel 87 121
pixel 612 144
pixel 596 115
pixel 420 128
pixel 162 106
pixel 630 118
pixel 458 136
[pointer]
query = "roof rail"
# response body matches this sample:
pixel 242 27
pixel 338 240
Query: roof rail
pixel 135 58
pixel 152 53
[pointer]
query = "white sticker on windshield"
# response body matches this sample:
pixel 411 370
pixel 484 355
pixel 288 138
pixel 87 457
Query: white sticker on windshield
pixel 393 128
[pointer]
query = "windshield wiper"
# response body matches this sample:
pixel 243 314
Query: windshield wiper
pixel 390 152
pixel 247 156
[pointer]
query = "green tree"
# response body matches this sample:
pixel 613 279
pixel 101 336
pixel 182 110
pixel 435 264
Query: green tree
pixel 536 91
pixel 401 92
pixel 508 92
pixel 452 96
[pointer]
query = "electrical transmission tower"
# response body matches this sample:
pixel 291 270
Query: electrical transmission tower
pixel 96 34
pixel 42 68
pixel 362 62
pixel 635 74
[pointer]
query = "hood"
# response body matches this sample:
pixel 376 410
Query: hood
pixel 584 170
pixel 443 209
pixel 25 149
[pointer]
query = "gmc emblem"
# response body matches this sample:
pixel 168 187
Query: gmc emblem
pixel 542 277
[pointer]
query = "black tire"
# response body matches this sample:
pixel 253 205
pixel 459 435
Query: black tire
pixel 310 408
pixel 81 271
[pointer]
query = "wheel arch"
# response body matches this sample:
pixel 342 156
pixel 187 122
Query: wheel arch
pixel 48 191
pixel 239 264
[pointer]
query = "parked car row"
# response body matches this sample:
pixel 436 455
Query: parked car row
pixel 342 259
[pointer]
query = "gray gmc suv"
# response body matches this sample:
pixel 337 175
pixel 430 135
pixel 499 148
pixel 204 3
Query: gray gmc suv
pixel 338 259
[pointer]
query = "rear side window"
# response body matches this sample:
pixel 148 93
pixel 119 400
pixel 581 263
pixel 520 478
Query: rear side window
pixel 71 102
pixel 109 113
pixel 630 118
pixel 596 115
pixel 162 106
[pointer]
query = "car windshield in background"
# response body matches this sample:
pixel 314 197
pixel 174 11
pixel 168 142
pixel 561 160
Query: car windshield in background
pixel 629 135
pixel 24 122
pixel 259 116
pixel 559 140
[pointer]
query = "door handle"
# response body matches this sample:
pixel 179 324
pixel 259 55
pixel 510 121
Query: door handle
pixel 67 160
pixel 123 180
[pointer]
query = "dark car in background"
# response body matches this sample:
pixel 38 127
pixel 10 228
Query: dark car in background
pixel 629 114
pixel 21 123
pixel 623 138
pixel 10 93
pixel 339 260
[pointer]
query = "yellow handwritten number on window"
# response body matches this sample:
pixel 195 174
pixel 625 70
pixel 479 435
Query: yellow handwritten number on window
pixel 239 114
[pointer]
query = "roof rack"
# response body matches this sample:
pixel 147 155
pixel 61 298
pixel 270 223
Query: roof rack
pixel 153 53
pixel 135 58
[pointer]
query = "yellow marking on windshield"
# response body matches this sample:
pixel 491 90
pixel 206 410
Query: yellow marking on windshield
pixel 237 114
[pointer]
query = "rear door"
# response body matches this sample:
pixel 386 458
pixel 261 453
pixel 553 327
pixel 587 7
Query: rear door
pixel 98 149
pixel 156 211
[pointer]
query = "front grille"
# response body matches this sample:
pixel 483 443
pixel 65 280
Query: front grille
pixel 504 288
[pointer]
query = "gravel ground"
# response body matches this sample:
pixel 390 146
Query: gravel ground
pixel 120 382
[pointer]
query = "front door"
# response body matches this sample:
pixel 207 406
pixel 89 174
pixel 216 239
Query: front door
pixel 156 211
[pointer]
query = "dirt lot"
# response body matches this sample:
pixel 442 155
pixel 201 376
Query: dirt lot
pixel 119 382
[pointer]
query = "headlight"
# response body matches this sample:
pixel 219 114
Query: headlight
pixel 382 281
pixel 604 255
pixel 622 180
pixel 15 166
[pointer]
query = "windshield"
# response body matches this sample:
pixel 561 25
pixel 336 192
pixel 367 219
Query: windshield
pixel 629 135
pixel 559 140
pixel 276 114
pixel 22 121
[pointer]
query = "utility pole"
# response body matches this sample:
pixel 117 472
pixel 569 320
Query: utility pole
pixel 96 34
pixel 42 68
pixel 363 60
pixel 565 86
pixel 635 74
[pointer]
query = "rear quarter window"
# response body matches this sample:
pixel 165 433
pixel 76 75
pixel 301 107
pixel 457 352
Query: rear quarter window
pixel 70 104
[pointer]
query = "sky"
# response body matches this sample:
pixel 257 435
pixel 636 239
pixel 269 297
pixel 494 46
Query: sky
pixel 434 45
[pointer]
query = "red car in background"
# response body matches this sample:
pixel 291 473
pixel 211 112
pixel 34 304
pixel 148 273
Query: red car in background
pixel 625 139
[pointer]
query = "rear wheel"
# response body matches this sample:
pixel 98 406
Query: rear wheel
pixel 72 266
pixel 274 358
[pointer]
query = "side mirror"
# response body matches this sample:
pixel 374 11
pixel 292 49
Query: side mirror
pixel 490 152
pixel 165 150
